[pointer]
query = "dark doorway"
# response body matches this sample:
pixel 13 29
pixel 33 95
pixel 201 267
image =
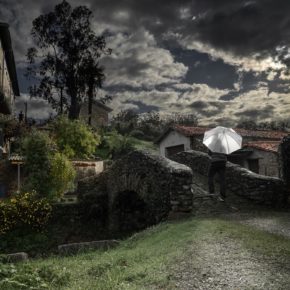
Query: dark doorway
pixel 253 165
pixel 130 212
pixel 169 151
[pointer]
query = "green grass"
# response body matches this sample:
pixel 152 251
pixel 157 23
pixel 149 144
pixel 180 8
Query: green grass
pixel 105 152
pixel 143 261
pixel 145 145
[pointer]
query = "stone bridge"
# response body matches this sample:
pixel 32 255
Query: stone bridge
pixel 141 189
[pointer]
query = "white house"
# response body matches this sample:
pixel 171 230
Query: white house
pixel 259 153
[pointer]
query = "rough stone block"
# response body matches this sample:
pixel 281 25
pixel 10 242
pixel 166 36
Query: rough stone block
pixel 74 248
pixel 17 257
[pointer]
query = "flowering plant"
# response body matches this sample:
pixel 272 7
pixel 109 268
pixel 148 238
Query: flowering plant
pixel 24 209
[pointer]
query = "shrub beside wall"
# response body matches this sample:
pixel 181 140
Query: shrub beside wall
pixel 24 210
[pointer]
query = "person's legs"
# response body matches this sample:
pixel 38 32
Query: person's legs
pixel 222 180
pixel 211 174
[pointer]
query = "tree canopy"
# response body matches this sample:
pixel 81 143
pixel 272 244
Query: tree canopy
pixel 65 60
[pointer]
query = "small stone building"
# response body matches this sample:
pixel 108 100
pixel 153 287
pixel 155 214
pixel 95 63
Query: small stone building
pixel 259 152
pixel 262 157
pixel 99 116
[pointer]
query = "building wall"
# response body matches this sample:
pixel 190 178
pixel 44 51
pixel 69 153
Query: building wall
pixel 268 162
pixel 173 139
pixel 5 83
pixel 86 169
pixel 100 117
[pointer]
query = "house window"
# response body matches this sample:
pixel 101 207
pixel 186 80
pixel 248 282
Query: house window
pixel 169 151
pixel 253 165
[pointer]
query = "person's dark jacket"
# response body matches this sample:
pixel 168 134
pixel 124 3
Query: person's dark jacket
pixel 217 157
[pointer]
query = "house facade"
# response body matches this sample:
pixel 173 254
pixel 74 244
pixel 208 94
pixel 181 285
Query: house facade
pixel 263 157
pixel 99 116
pixel 8 77
pixel 8 83
pixel 259 152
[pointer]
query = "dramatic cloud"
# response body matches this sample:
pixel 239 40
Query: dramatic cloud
pixel 241 26
pixel 216 58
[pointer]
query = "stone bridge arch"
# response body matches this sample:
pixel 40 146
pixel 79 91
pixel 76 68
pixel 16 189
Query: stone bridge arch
pixel 138 190
pixel 159 185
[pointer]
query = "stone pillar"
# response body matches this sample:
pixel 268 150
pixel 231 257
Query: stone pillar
pixel 284 161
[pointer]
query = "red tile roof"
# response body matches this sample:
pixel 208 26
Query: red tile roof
pixel 271 146
pixel 196 131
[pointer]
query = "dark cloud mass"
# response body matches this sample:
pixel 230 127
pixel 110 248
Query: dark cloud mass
pixel 205 56
pixel 243 27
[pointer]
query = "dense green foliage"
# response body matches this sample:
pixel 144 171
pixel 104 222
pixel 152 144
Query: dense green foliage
pixel 27 277
pixel 74 138
pixel 282 125
pixel 62 174
pixel 114 145
pixel 24 210
pixel 38 149
pixel 49 173
pixel 148 126
pixel 119 144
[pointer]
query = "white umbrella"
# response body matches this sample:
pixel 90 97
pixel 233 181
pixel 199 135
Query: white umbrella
pixel 222 140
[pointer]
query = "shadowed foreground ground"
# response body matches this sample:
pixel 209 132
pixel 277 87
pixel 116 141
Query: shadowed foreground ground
pixel 250 251
pixel 228 249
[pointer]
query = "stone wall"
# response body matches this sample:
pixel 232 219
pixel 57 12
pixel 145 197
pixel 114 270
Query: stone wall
pixel 284 161
pixel 142 189
pixel 240 181
pixel 153 177
pixel 87 168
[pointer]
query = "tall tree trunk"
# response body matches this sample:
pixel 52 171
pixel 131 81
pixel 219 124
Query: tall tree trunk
pixel 61 101
pixel 74 109
pixel 90 102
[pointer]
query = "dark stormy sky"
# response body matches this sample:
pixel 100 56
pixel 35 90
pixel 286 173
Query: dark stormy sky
pixel 215 58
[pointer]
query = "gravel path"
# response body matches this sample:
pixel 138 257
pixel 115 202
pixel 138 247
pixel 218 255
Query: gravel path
pixel 225 264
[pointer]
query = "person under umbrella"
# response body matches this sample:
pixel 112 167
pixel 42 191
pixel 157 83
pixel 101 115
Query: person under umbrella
pixel 221 141
pixel 217 166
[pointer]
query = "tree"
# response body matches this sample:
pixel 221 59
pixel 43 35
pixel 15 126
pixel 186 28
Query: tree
pixel 64 62
pixel 282 125
pixel 74 138
pixel 49 173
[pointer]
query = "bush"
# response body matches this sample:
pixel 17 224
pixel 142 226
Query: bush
pixel 119 144
pixel 74 138
pixel 24 210
pixel 137 134
pixel 37 149
pixel 62 174
pixel 49 173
